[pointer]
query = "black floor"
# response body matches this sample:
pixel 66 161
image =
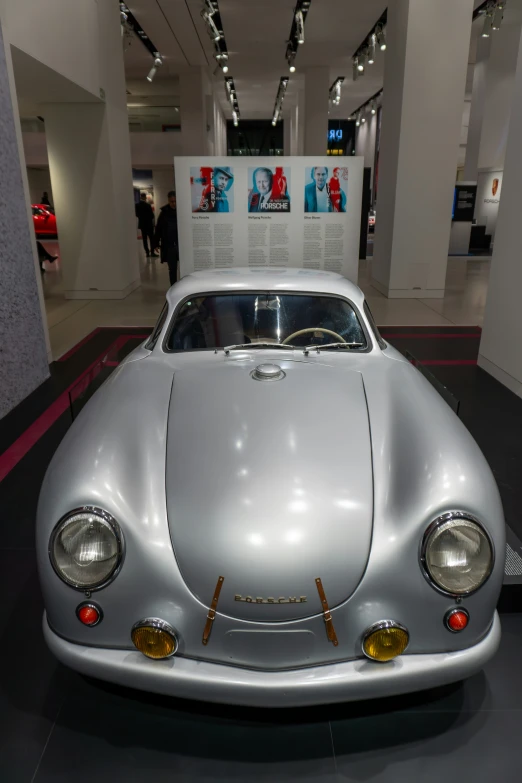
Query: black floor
pixel 56 726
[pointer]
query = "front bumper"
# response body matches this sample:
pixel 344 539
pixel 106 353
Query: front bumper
pixel 347 681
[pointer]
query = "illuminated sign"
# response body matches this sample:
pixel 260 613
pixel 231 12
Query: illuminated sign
pixel 335 135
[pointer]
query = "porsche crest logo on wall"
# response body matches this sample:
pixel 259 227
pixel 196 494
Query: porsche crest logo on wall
pixel 494 187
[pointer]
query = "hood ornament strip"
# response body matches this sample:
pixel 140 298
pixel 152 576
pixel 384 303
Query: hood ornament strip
pixel 330 630
pixel 212 611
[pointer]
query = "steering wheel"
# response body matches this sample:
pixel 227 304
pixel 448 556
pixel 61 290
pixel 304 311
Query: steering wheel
pixel 313 329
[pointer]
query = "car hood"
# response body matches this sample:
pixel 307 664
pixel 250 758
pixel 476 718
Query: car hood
pixel 269 484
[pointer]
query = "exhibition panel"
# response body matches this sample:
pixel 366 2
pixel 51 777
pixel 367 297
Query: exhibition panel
pixel 303 212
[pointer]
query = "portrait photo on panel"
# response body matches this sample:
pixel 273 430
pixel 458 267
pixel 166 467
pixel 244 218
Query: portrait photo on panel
pixel 325 189
pixel 212 189
pixel 269 189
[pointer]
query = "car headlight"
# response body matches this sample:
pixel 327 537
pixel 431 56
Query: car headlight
pixel 457 554
pixel 86 548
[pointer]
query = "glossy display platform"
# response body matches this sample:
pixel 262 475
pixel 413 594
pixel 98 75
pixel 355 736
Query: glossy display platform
pixel 57 726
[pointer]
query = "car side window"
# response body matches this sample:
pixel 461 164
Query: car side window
pixel 153 339
pixel 373 327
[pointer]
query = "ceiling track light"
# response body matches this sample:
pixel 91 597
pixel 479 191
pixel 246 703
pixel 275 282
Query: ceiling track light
pixel 222 61
pixel 334 93
pixel 158 62
pixel 231 94
pixel 498 15
pixel 366 52
pixel 381 38
pixel 488 26
pixel 296 37
pixel 372 43
pixel 211 25
pixel 299 25
pixel 370 104
pixel 283 84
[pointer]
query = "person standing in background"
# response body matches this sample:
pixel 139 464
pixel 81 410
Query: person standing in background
pixel 145 215
pixel 166 236
pixel 45 199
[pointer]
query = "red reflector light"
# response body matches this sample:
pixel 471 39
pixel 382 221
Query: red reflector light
pixel 89 614
pixel 457 620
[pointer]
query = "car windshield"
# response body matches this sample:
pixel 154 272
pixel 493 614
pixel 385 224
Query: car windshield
pixel 219 320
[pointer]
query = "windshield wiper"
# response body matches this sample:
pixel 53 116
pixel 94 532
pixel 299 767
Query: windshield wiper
pixel 229 348
pixel 309 348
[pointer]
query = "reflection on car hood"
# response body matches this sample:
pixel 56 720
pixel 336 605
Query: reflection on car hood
pixel 269 484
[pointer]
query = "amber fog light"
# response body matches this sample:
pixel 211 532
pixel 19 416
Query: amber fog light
pixel 154 638
pixel 384 641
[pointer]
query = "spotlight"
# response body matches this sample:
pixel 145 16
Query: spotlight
pixel 292 69
pixel 235 118
pixel 488 26
pixel 212 29
pixel 274 122
pixel 372 108
pixel 358 120
pixel 381 38
pixel 225 69
pixel 371 49
pixel 157 63
pixel 355 64
pixel 498 15
pixel 360 62
pixel 299 26
pixel 363 119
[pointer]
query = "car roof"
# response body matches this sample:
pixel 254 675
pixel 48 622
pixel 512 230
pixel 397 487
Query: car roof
pixel 260 279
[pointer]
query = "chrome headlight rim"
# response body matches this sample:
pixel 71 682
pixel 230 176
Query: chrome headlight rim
pixel 160 625
pixel 450 516
pixel 383 625
pixel 116 529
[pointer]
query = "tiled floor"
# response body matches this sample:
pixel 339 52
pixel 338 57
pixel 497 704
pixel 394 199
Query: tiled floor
pixel 69 321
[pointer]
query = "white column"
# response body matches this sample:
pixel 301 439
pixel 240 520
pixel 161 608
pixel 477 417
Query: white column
pixel 476 115
pixel 500 352
pixel 193 111
pixel 317 84
pixel 293 122
pixel 499 86
pixel 287 130
pixel 162 182
pixel 424 85
pixel 91 175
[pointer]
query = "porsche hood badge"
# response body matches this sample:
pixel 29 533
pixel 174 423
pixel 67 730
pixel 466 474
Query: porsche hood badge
pixel 300 599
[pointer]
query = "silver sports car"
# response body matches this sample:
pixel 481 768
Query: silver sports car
pixel 266 504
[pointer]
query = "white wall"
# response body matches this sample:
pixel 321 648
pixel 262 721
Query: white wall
pixel 499 351
pixel 59 34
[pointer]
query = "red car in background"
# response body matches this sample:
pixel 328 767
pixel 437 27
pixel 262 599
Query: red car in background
pixel 44 220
